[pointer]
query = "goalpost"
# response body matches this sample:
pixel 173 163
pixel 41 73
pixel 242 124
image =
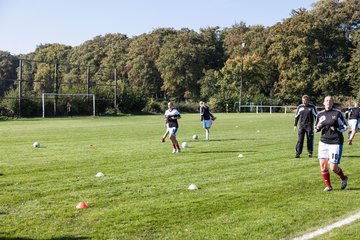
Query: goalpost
pixel 65 94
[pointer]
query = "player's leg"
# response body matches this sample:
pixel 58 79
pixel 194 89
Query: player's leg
pixel 354 127
pixel 323 155
pixel 336 153
pixel 164 136
pixel 300 142
pixel 207 125
pixel 175 143
pixel 310 140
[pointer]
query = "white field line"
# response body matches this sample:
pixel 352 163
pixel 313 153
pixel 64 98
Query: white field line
pixel 330 227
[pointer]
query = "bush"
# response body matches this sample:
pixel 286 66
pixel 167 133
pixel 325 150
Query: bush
pixel 130 102
pixel 9 106
pixel 154 106
pixel 190 107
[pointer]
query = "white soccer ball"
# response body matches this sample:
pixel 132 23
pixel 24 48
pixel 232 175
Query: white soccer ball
pixel 195 136
pixel 184 145
pixel 36 144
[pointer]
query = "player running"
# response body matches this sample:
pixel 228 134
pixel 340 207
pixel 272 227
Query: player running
pixel 331 122
pixel 171 118
pixel 353 121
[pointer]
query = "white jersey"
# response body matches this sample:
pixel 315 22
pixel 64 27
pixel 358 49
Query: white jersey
pixel 172 113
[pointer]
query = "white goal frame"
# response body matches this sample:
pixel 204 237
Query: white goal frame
pixel 65 94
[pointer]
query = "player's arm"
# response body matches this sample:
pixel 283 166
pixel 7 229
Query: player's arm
pixel 176 116
pixel 318 125
pixel 212 116
pixel 342 123
pixel 297 117
pixel 314 111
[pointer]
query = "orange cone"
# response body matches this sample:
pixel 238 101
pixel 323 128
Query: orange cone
pixel 82 205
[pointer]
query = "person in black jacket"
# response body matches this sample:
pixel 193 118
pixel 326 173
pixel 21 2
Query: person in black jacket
pixel 305 116
pixel 206 118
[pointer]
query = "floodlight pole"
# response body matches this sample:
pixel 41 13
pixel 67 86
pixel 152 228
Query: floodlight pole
pixel 43 105
pixel 56 88
pixel 115 89
pixel 88 80
pixel 241 82
pixel 94 105
pixel 241 77
pixel 20 85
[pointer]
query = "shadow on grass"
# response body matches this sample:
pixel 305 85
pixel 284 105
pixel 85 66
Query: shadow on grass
pixel 56 238
pixel 350 156
pixel 217 140
pixel 1 174
pixel 225 151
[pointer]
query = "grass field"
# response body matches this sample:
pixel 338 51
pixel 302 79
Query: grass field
pixel 267 194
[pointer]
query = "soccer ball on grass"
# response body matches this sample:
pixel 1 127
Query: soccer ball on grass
pixel 36 144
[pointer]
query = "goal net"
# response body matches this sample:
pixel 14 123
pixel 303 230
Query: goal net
pixel 60 104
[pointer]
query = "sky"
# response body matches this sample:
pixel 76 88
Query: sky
pixel 26 24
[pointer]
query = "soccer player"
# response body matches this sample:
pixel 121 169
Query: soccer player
pixel 206 118
pixel 331 122
pixel 68 108
pixel 171 118
pixel 306 115
pixel 353 121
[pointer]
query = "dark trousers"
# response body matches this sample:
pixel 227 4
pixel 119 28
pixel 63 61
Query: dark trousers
pixel 309 132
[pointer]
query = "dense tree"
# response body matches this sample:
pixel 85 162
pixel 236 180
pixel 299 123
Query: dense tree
pixel 353 72
pixel 213 48
pixel 181 62
pixel 8 64
pixel 315 51
pixel 144 77
pixel 47 59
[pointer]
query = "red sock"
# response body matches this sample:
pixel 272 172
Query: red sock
pixel 340 173
pixel 174 145
pixel 326 176
pixel 350 140
pixel 177 146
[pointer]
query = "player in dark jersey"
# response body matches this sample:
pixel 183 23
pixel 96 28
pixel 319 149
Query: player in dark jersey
pixel 353 121
pixel 206 118
pixel 305 116
pixel 171 118
pixel 331 122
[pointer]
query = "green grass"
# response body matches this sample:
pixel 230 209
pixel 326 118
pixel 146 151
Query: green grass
pixel 267 194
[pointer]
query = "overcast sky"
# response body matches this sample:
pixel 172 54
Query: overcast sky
pixel 25 24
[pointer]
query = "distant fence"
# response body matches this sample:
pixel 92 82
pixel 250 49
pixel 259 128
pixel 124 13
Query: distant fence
pixel 264 109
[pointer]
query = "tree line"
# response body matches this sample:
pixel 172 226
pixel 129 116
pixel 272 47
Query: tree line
pixel 314 52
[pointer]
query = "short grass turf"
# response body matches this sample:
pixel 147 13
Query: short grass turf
pixel 266 194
